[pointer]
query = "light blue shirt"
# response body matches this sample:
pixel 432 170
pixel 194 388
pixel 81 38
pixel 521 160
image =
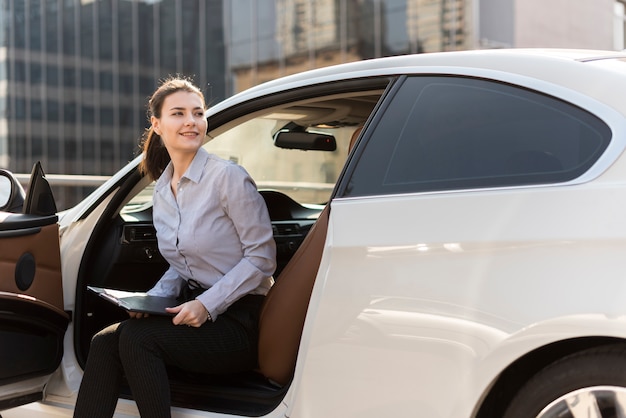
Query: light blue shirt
pixel 216 231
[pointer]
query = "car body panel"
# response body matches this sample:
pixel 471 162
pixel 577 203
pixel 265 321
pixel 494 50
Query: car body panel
pixel 408 297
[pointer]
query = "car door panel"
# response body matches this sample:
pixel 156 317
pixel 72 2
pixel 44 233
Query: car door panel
pixel 30 262
pixel 32 319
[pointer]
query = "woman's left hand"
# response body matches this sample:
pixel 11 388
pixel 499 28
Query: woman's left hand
pixel 192 313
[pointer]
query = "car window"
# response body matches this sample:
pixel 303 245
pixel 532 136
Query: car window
pixel 307 176
pixel 444 133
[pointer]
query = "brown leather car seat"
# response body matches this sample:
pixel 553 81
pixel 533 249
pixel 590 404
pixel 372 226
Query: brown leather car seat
pixel 354 137
pixel 284 309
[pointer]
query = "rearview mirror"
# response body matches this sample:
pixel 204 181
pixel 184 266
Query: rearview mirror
pixel 303 140
pixel 11 193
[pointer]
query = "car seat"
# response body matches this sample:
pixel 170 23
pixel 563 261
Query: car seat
pixel 284 309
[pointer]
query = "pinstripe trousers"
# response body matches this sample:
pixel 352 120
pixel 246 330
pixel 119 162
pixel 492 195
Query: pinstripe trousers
pixel 140 350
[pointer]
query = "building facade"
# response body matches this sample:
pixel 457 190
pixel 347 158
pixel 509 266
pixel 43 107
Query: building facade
pixel 590 24
pixel 75 75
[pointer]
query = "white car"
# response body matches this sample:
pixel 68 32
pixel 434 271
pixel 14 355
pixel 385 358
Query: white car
pixel 465 257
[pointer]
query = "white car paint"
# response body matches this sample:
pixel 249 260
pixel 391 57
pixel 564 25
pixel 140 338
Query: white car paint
pixel 445 290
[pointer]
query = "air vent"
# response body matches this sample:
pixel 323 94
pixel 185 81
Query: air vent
pixel 138 233
pixel 286 229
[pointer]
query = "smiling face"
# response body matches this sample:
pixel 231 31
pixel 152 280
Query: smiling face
pixel 182 125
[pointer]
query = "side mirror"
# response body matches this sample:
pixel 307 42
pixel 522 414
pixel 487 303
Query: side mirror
pixel 293 136
pixel 11 193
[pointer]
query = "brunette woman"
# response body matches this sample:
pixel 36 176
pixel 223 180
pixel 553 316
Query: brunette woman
pixel 214 231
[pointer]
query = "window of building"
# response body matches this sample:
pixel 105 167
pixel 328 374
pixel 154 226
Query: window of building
pixel 52 75
pixel 20 109
pixel 444 133
pixel 106 116
pixel 36 109
pixel 34 17
pixel 70 150
pixel 69 27
pixel 87 79
pixel 147 84
pixel 89 115
pixel 69 77
pixel 51 28
pixel 52 110
pixel 105 36
pixel 125 83
pixel 19 150
pixel 106 81
pixel 87 33
pixel 19 24
pixel 35 73
pixel 54 154
pixel 20 71
pixel 37 148
pixel 395 24
pixel 69 112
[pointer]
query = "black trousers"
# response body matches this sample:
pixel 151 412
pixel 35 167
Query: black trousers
pixel 142 349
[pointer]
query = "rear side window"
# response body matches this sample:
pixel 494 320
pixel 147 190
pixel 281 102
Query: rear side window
pixel 446 133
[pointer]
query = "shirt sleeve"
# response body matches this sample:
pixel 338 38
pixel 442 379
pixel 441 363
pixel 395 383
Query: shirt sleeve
pixel 248 212
pixel 170 284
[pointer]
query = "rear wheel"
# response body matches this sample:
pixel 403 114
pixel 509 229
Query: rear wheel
pixel 589 384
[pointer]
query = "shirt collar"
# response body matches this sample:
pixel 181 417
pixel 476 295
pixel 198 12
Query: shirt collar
pixel 196 168
pixel 193 173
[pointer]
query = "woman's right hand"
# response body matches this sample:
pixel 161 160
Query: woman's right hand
pixel 137 315
pixel 191 313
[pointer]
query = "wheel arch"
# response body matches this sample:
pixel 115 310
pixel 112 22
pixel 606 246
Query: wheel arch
pixel 511 379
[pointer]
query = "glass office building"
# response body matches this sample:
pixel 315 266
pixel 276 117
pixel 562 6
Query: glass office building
pixel 75 75
pixel 267 39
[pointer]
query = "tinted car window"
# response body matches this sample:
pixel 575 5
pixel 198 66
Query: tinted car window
pixel 445 133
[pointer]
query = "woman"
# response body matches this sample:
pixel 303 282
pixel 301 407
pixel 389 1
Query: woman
pixel 214 230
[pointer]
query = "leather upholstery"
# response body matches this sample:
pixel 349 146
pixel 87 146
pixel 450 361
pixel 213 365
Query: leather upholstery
pixel 43 249
pixel 354 137
pixel 285 307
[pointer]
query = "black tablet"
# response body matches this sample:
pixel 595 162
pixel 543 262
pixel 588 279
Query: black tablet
pixel 137 301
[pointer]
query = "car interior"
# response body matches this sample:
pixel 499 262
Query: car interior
pixel 295 150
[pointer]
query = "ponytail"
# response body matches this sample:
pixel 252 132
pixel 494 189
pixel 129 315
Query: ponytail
pixel 155 155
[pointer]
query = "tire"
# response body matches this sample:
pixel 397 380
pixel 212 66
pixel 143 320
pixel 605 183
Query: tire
pixel 589 384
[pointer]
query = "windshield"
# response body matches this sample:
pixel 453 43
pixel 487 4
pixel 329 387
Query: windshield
pixel 305 176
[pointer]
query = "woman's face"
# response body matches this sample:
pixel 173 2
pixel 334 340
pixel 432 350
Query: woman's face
pixel 182 125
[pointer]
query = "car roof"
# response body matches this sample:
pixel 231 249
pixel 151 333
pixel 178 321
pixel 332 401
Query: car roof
pixel 564 67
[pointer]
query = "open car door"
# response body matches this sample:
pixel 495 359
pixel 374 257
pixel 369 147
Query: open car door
pixel 32 318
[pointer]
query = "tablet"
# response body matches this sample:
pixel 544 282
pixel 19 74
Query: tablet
pixel 137 301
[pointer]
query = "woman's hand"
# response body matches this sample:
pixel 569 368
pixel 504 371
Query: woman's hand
pixel 192 313
pixel 138 315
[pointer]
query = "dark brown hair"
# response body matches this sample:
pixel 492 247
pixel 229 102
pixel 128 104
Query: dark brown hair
pixel 156 157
